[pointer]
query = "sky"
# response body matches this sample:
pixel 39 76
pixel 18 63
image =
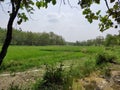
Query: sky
pixel 62 20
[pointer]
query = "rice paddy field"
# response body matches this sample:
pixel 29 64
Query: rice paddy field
pixel 21 58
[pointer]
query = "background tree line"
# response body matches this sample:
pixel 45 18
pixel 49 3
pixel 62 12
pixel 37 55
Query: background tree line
pixel 109 40
pixel 31 38
pixel 40 39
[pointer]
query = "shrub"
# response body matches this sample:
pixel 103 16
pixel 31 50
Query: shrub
pixel 55 78
pixel 105 58
pixel 84 69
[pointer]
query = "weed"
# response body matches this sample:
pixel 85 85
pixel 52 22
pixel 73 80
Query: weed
pixel 14 87
pixel 103 58
pixel 55 78
pixel 81 71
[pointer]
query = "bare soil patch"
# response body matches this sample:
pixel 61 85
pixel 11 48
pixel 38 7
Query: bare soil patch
pixel 23 79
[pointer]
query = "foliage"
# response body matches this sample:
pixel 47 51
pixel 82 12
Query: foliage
pixel 34 56
pixel 29 38
pixel 27 57
pixel 107 20
pixel 112 40
pixel 55 78
pixel 83 69
pixel 103 58
pixel 109 40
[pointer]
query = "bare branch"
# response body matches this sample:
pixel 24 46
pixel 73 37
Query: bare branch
pixel 71 4
pixel 108 8
pixel 29 15
pixel 107 4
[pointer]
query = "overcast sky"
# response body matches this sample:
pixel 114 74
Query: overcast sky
pixel 62 20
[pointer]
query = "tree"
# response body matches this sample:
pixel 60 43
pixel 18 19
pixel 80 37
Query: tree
pixel 109 39
pixel 16 5
pixel 106 21
pixel 99 40
pixel 13 14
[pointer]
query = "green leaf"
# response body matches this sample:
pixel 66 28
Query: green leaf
pixel 38 4
pixel 98 12
pixel 53 2
pixel 95 17
pixel 90 20
pixel 87 11
pixel 111 1
pixel 97 1
pixel 42 4
pixel 116 6
pixel 46 5
pixel 19 22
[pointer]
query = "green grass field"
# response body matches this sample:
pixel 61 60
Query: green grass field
pixel 20 58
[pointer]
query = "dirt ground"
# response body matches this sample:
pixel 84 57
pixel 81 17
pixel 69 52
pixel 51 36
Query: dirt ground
pixel 93 82
pixel 99 82
pixel 23 79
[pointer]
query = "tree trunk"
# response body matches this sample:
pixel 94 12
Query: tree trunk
pixel 15 8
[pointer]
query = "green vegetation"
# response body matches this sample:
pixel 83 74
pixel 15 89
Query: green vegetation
pixel 42 39
pixel 20 58
pixel 103 58
pixel 24 57
pixel 77 62
pixel 109 40
pixel 20 37
pixel 55 78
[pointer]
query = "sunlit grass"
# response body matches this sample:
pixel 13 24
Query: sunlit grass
pixel 20 58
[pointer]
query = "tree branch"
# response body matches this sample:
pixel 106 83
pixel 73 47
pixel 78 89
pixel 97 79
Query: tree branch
pixel 107 4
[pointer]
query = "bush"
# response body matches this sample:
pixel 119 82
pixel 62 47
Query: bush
pixel 55 78
pixel 84 69
pixel 105 58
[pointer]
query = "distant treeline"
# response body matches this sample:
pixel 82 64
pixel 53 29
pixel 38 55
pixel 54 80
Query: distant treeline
pixel 41 39
pixel 109 40
pixel 29 38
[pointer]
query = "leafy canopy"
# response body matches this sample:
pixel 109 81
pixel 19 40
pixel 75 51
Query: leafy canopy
pixel 106 21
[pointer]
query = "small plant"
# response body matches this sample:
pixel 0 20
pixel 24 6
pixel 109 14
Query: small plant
pixel 88 67
pixel 81 71
pixel 105 58
pixel 55 78
pixel 105 72
pixel 14 87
